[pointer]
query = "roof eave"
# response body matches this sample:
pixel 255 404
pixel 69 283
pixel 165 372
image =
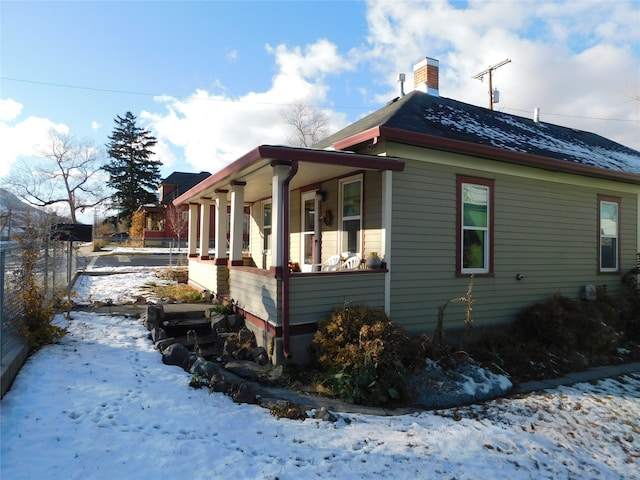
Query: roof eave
pixel 370 134
pixel 485 151
pixel 268 153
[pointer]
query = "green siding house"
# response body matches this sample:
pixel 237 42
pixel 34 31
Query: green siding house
pixel 439 191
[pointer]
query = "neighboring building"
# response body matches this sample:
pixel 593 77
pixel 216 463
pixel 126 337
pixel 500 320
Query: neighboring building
pixel 164 223
pixel 441 191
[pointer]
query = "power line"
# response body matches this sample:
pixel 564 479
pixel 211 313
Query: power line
pixel 182 97
pixel 147 94
pixel 79 87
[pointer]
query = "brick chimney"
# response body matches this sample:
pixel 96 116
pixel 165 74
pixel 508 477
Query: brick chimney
pixel 425 76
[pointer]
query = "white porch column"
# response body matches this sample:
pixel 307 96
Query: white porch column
pixel 192 242
pixel 237 217
pixel 280 173
pixel 221 225
pixel 205 219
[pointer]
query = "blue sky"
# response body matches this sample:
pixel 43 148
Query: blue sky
pixel 209 79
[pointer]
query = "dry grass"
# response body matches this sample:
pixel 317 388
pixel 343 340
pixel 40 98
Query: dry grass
pixel 178 293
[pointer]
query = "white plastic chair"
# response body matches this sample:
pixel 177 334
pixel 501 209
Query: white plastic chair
pixel 329 265
pixel 351 263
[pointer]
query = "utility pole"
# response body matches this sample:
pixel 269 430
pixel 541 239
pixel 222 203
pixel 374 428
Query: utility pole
pixel 489 71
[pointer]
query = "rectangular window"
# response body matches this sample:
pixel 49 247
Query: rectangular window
pixel 475 225
pixel 609 228
pixel 351 201
pixel 155 221
pixel 266 226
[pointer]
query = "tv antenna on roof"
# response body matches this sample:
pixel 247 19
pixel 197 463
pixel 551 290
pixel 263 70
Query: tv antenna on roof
pixel 489 70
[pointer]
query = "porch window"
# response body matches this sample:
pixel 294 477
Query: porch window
pixel 351 201
pixel 609 228
pixel 475 225
pixel 266 226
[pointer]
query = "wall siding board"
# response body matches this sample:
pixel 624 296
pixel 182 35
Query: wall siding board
pixel 545 230
pixel 372 214
pixel 315 296
pixel 257 294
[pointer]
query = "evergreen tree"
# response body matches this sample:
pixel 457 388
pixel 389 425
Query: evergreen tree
pixel 133 174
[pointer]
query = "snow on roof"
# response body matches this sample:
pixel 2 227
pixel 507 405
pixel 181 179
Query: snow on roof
pixel 518 134
pixel 420 113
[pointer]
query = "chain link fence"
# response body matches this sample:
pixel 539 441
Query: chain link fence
pixel 55 268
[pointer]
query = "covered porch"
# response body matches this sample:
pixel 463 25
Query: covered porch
pixel 305 206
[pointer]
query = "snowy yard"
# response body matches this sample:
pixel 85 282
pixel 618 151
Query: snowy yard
pixel 101 405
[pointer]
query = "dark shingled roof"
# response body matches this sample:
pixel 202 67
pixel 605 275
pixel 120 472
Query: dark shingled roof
pixel 183 182
pixel 420 113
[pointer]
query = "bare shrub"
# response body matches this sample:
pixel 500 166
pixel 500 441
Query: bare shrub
pixel 362 351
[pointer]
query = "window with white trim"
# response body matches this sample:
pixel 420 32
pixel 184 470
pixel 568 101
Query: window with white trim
pixel 351 214
pixel 475 225
pixel 609 236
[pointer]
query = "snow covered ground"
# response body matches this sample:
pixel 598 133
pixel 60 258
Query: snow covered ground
pixel 116 288
pixel 101 405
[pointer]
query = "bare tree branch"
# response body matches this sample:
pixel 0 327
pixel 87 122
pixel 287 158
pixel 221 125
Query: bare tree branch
pixel 310 125
pixel 65 171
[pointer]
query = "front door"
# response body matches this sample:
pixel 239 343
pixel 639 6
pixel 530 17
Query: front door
pixel 308 238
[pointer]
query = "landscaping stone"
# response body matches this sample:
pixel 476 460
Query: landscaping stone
pixel 252 371
pixel 155 315
pixel 204 368
pixel 243 353
pixel 158 334
pixel 444 387
pixel 230 346
pixel 244 394
pixel 235 322
pixel 218 384
pixel 177 354
pixel 246 336
pixel 161 345
pixel 245 369
pixel 325 415
pixel 218 322
pixel 260 355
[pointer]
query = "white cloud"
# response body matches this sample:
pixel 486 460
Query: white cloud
pixel 576 61
pixel 95 126
pixel 21 138
pixel 214 129
pixel 164 154
pixel 581 64
pixel 9 109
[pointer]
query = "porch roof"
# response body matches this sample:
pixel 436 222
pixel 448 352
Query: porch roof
pixel 254 169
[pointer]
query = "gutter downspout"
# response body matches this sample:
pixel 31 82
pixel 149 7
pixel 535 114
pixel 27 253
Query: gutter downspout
pixel 285 258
